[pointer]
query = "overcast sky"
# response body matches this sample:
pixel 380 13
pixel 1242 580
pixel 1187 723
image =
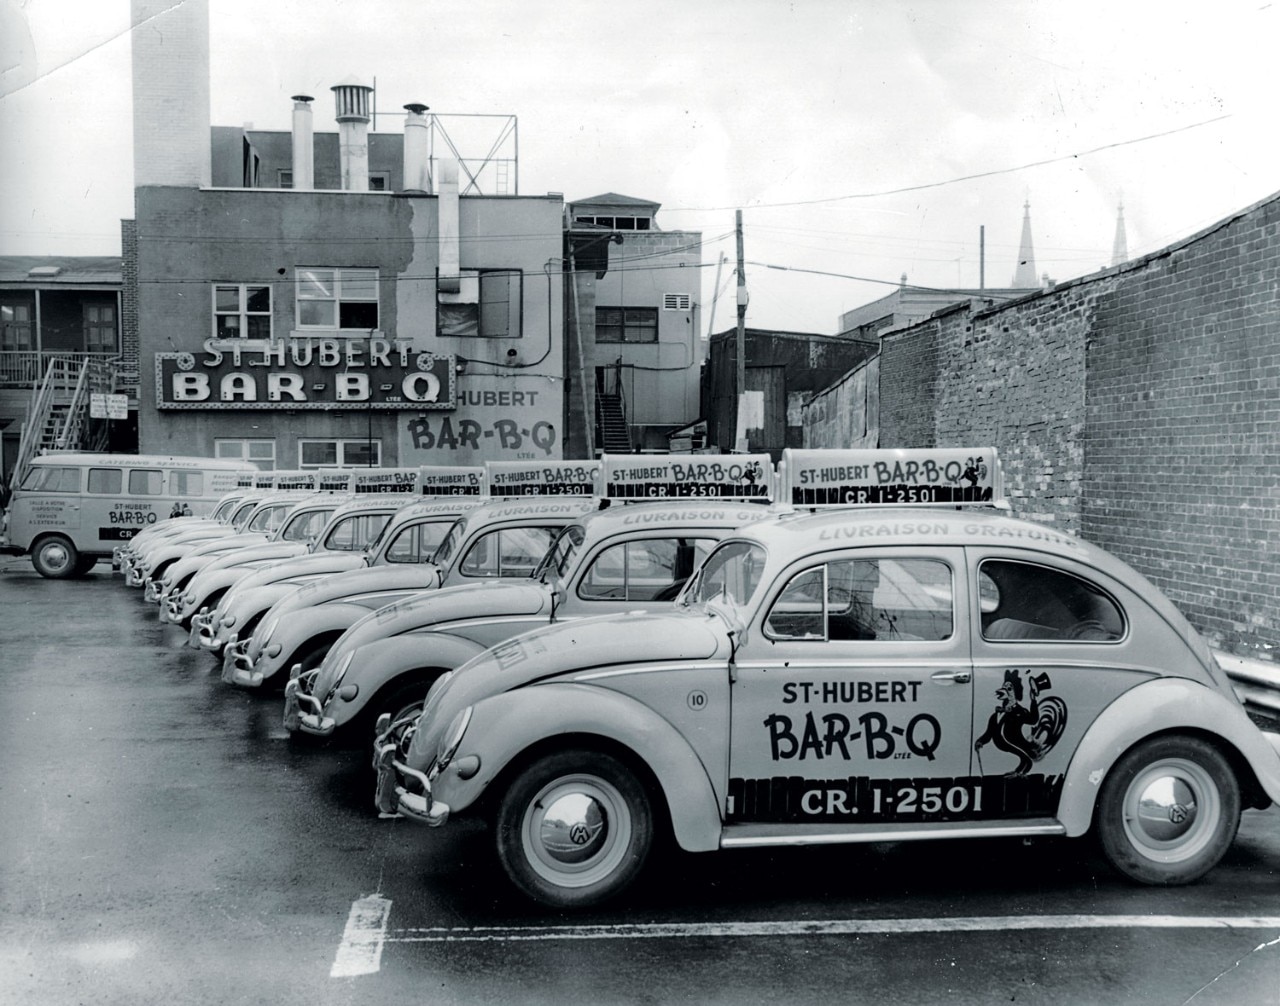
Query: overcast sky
pixel 865 138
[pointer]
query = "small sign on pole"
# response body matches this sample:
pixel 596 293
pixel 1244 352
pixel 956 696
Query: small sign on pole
pixel 103 406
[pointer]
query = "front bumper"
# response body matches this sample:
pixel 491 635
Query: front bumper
pixel 297 697
pixel 152 593
pixel 392 795
pixel 237 666
pixel 202 635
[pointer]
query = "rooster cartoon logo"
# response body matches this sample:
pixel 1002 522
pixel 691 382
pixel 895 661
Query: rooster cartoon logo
pixel 1028 732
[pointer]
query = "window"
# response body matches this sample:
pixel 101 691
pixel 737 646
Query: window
pixel 865 599
pixel 47 479
pixel 354 533
pixel 417 543
pixel 730 575
pixel 259 453
pixel 100 328
pixel 284 178
pixel 146 482
pixel 241 311
pixel 106 481
pixel 306 525
pixel 617 223
pixel 338 299
pixel 15 327
pixel 379 181
pixel 513 551
pixel 630 324
pixel 676 302
pixel 339 453
pixel 646 570
pixel 488 306
pixel 186 483
pixel 269 518
pixel 1021 601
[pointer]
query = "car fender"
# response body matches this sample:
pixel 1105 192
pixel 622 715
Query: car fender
pixel 1159 706
pixel 503 726
pixel 383 660
pixel 300 626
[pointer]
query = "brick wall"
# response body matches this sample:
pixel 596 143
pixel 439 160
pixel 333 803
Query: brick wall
pixel 129 352
pixel 1139 407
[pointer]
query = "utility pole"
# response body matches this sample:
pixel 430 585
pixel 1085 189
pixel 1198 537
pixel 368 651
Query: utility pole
pixel 982 257
pixel 740 381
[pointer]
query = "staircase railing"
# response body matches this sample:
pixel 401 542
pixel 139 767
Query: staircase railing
pixel 68 381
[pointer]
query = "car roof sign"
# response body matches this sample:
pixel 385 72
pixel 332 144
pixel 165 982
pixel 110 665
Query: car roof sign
pixel 542 478
pixel 451 480
pixel 687 476
pixel 924 476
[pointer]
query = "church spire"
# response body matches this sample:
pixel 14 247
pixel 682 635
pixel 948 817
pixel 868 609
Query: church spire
pixel 1120 247
pixel 1024 277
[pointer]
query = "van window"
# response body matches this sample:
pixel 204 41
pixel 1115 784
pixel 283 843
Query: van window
pixel 47 479
pixel 107 481
pixel 146 482
pixel 186 483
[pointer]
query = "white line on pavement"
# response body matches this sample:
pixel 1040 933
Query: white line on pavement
pixel 830 927
pixel 360 952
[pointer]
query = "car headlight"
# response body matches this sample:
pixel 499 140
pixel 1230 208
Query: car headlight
pixel 452 738
pixel 228 621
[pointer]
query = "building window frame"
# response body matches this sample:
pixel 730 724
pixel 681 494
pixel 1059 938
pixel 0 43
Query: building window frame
pixel 101 331
pixel 615 222
pixel 257 451
pixel 284 178
pixel 241 310
pixel 476 311
pixel 347 453
pixel 338 300
pixel 17 325
pixel 626 325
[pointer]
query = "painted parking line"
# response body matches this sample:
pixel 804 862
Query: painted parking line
pixel 830 927
pixel 360 952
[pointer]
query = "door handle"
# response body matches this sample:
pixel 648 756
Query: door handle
pixel 954 677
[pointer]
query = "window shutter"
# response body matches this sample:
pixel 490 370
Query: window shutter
pixel 675 302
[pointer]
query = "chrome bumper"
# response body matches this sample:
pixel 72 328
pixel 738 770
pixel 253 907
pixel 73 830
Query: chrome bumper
pixel 393 799
pixel 152 592
pixel 297 693
pixel 237 667
pixel 201 636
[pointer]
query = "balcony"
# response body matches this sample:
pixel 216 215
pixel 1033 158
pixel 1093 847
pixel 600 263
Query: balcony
pixel 25 369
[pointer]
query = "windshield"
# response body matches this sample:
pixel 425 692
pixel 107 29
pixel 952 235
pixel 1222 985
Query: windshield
pixel 224 508
pixel 730 575
pixel 449 546
pixel 355 532
pixel 242 514
pixel 268 518
pixel 306 525
pixel 560 555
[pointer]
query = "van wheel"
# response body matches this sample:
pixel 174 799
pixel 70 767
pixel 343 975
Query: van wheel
pixel 574 828
pixel 55 558
pixel 1169 810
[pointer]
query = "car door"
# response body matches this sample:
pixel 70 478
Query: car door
pixel 851 694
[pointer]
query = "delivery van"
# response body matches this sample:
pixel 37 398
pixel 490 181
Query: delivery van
pixel 72 509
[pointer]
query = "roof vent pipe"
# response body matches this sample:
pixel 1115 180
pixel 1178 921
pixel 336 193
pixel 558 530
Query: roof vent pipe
pixel 352 100
pixel 417 148
pixel 304 157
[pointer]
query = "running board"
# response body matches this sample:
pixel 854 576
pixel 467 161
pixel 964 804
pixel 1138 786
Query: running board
pixel 745 836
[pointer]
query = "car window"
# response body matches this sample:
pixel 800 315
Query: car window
pixel 417 543
pixel 268 519
pixel 730 575
pixel 1027 602
pixel 107 481
pixel 242 515
pixel 651 569
pixel 865 599
pixel 146 482
pixel 512 551
pixel 560 556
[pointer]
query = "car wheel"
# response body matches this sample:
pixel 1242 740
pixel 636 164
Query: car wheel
pixel 1168 811
pixel 55 558
pixel 574 828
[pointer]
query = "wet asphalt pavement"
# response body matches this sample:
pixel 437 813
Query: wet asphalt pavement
pixel 162 841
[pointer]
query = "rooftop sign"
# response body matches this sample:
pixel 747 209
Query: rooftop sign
pixel 542 478
pixel 446 480
pixel 893 477
pixel 683 476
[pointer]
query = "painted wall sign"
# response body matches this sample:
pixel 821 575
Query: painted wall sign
pixel 306 374
pixel 460 480
pixel 891 477
pixel 543 478
pixel 658 476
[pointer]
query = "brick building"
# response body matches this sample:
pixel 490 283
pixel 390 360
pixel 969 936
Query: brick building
pixel 1138 406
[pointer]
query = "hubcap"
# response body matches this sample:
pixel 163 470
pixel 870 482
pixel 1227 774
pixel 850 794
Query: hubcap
pixel 1171 810
pixel 576 831
pixel 56 556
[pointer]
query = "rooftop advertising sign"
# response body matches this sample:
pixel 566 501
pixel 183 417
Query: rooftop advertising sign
pixel 286 480
pixel 914 476
pixel 384 480
pixel 680 476
pixel 444 480
pixel 306 374
pixel 543 478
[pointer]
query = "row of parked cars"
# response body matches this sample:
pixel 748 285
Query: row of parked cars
pixel 854 646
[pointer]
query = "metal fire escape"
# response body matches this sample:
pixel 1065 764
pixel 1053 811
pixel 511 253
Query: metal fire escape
pixel 613 435
pixel 58 414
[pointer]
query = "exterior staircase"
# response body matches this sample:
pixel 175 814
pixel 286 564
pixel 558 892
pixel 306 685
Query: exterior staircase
pixel 613 436
pixel 58 415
